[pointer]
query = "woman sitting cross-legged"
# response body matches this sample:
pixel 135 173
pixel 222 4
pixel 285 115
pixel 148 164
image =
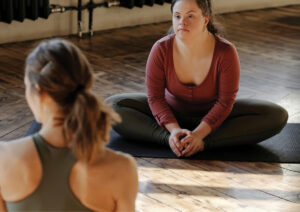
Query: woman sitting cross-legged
pixel 192 79
pixel 65 166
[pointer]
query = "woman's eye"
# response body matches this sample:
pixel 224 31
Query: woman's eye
pixel 190 16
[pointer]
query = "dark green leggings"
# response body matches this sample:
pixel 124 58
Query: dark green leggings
pixel 250 121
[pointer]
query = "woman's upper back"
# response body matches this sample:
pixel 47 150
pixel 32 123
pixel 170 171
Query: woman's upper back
pixel 56 181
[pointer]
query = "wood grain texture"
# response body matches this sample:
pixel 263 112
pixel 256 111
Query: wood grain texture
pixel 268 43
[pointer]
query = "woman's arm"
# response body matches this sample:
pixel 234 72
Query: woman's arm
pixel 228 86
pixel 156 85
pixel 127 192
pixel 202 130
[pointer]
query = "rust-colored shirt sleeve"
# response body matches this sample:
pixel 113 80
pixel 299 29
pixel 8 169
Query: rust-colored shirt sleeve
pixel 156 85
pixel 228 85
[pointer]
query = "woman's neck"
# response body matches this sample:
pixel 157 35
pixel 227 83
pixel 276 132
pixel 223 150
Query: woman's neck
pixel 198 47
pixel 53 133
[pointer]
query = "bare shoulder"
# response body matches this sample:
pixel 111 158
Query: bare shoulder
pixel 15 153
pixel 122 161
pixel 126 184
pixel 116 169
pixel 112 181
pixel 122 169
pixel 14 148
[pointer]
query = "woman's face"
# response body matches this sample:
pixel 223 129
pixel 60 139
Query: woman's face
pixel 33 99
pixel 188 20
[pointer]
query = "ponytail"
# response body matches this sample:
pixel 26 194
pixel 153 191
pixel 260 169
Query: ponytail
pixel 87 125
pixel 212 28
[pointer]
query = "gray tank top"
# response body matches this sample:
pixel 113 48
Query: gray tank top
pixel 54 192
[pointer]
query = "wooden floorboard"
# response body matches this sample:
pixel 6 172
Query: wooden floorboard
pixel 220 186
pixel 268 43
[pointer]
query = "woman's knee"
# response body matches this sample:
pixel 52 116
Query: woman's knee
pixel 120 99
pixel 128 119
pixel 128 106
pixel 114 99
pixel 266 114
pixel 274 116
pixel 136 125
pixel 278 116
pixel 134 101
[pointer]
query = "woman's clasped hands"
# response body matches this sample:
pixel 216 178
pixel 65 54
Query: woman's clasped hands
pixel 184 142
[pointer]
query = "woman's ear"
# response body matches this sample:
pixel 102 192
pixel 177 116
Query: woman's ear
pixel 206 20
pixel 40 92
pixel 38 88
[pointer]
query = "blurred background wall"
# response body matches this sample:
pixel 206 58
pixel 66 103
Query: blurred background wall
pixel 60 24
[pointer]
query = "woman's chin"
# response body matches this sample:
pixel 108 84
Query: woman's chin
pixel 183 35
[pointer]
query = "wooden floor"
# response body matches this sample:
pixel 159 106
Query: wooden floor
pixel 268 43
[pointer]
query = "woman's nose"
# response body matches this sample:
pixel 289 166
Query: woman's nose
pixel 183 21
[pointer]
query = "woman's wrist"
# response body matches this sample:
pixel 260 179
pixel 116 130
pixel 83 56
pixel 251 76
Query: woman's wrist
pixel 172 126
pixel 202 130
pixel 198 134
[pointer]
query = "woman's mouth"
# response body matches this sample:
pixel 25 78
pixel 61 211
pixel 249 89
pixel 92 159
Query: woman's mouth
pixel 183 30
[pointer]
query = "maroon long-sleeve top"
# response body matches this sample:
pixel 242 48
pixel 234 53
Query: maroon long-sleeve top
pixel 214 97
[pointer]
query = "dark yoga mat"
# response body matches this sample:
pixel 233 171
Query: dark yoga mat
pixel 283 148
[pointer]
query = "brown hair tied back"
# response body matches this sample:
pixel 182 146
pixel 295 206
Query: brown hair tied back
pixel 206 7
pixel 63 72
pixel 79 89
